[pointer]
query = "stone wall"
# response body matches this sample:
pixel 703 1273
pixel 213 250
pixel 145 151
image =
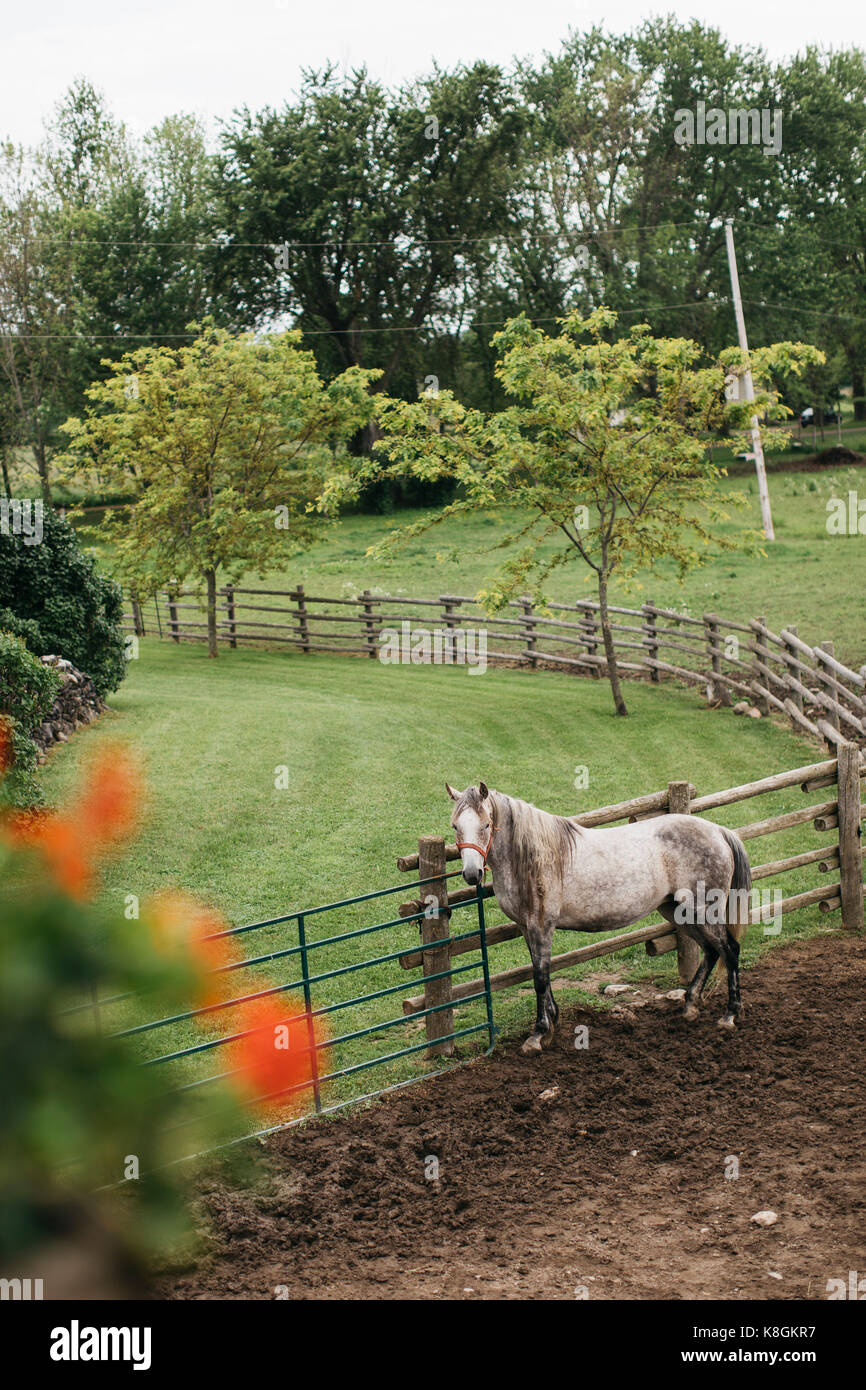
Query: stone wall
pixel 76 705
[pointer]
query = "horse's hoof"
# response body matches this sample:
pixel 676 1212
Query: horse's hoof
pixel 547 1038
pixel 691 1012
pixel 727 1022
pixel 531 1045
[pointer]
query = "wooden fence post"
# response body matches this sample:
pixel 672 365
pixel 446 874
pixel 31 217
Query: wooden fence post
pixel 789 657
pixel 762 658
pixel 431 862
pixel 829 714
pixel 171 596
pixel 688 951
pixel 651 631
pixel 451 619
pixel 590 635
pixel 529 630
pixel 230 613
pixel 850 854
pixel 301 603
pixel 369 623
pixel 718 691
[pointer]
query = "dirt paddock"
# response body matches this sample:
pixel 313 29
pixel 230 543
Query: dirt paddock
pixel 614 1182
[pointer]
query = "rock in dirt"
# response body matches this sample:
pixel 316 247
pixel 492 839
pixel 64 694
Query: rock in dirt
pixel 765 1218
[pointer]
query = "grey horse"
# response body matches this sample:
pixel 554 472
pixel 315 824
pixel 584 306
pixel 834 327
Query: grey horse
pixel 549 872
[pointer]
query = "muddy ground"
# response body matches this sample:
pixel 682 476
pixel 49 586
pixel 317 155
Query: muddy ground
pixel 600 1170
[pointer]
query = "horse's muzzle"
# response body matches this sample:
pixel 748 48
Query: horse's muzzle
pixel 472 874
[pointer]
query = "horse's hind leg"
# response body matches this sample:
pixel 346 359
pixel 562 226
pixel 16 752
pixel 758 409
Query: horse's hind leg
pixel 547 1011
pixel 696 929
pixel 730 952
pixel 702 974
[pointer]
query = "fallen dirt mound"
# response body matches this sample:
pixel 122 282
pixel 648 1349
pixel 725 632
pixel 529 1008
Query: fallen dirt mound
pixel 838 455
pixel 601 1170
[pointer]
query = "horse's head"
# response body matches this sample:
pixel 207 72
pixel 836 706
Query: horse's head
pixel 472 820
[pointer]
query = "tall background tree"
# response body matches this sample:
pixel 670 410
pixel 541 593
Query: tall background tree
pixel 387 201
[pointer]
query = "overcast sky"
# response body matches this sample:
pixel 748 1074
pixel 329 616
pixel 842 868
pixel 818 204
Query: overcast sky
pixel 210 56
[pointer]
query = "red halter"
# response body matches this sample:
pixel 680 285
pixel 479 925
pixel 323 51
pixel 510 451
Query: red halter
pixel 467 844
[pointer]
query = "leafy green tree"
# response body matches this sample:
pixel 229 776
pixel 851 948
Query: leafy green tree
pixel 37 329
pixel 64 607
pixel 386 202
pixel 622 215
pixel 224 440
pixel 103 244
pixel 604 450
pixel 820 270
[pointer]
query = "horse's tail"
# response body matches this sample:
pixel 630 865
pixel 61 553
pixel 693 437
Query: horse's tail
pixel 739 894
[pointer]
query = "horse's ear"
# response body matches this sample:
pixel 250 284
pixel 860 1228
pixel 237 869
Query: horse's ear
pixel 455 796
pixel 482 791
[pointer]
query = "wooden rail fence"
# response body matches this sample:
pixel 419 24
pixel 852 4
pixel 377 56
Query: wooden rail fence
pixel 840 857
pixel 775 672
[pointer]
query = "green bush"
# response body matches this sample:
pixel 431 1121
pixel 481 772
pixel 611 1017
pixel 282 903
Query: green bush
pixel 21 627
pixel 76 1101
pixel 70 610
pixel 27 691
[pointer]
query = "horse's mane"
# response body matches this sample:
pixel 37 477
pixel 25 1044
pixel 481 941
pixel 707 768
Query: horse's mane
pixel 541 842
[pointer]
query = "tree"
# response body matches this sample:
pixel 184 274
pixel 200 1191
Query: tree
pixel 37 334
pixel 103 245
pixel 824 162
pixel 623 215
pixel 604 451
pixel 383 202
pixel 224 440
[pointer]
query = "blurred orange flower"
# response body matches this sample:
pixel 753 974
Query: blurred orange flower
pixel 274 1054
pixel 179 922
pixel 72 842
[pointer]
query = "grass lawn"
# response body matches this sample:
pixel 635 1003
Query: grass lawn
pixel 368 748
pixel 807 577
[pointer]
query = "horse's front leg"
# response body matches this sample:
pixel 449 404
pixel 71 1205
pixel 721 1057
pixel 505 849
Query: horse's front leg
pixel 539 941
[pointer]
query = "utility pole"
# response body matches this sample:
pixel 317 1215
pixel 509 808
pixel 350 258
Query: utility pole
pixel 757 446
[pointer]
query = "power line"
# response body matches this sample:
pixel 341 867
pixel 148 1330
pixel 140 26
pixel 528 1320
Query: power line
pixel 801 309
pixel 411 328
pixel 714 223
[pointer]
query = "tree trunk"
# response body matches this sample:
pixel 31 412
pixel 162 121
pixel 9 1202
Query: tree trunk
pixel 212 649
pixel 609 652
pixel 42 469
pixel 4 469
pixel 361 443
pixel 858 384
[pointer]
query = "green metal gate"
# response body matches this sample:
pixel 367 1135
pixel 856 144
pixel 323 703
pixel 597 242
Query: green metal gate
pixel 339 1060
